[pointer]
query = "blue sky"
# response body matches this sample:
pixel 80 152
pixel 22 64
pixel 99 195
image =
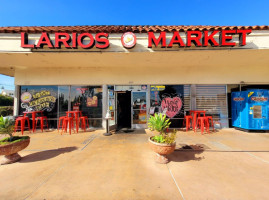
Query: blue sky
pixel 138 12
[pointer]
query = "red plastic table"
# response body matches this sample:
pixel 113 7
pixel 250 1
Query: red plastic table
pixel 196 113
pixel 76 113
pixel 33 117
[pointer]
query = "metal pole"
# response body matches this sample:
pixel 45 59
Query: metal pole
pixel 108 117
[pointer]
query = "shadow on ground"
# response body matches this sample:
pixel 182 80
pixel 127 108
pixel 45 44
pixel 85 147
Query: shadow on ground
pixel 45 155
pixel 187 153
pixel 129 131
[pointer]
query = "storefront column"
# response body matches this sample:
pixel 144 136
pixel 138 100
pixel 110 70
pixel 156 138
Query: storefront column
pixel 193 97
pixel 105 105
pixel 148 101
pixel 16 100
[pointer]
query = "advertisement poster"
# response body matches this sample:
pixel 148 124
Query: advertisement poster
pixel 171 105
pixel 92 101
pixel 43 100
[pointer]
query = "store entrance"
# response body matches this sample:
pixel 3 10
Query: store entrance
pixel 124 110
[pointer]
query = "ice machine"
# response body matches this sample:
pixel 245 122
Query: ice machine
pixel 250 109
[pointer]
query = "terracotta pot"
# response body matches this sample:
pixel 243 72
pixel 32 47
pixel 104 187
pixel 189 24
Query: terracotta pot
pixel 10 151
pixel 161 150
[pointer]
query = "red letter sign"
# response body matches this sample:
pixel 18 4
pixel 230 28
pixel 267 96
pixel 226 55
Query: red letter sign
pixel 198 36
pixel 24 41
pixel 176 39
pixel 74 40
pixel 44 40
pixel 224 38
pixel 80 40
pixel 104 42
pixel 242 36
pixel 151 38
pixel 64 41
pixel 210 39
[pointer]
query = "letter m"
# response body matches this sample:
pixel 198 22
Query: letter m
pixel 152 39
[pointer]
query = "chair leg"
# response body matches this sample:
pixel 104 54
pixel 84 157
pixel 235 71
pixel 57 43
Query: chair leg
pixel 82 123
pixel 202 126
pixel 42 124
pixel 22 125
pixel 63 126
pixel 70 125
pixel 207 126
pixel 36 122
pixel 187 124
pixel 47 123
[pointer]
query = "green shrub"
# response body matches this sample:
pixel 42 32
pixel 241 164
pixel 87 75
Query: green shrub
pixel 6 111
pixel 14 139
pixel 6 126
pixel 170 138
pixel 165 138
pixel 6 100
pixel 158 122
pixel 158 138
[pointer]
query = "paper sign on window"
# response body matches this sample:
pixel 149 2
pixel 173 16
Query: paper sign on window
pixel 43 100
pixel 92 101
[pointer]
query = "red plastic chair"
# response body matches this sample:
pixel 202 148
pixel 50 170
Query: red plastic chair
pixel 202 122
pixel 61 119
pixel 187 121
pixel 67 122
pixel 42 119
pixel 83 121
pixel 210 119
pixel 21 121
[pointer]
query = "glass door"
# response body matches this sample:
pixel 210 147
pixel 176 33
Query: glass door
pixel 139 110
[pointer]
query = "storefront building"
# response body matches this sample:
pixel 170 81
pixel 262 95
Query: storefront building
pixel 133 71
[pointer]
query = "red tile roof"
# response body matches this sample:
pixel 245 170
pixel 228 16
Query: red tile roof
pixel 120 29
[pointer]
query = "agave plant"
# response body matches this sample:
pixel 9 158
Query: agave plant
pixel 158 122
pixel 6 127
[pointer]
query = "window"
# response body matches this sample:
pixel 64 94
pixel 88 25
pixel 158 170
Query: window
pixel 40 98
pixel 174 100
pixel 213 99
pixel 88 99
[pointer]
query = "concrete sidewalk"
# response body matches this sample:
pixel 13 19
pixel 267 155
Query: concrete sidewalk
pixel 229 164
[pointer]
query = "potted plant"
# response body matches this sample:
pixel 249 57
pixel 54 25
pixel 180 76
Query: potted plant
pixel 9 146
pixel 163 143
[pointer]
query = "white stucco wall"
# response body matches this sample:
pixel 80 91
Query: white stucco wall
pixel 139 65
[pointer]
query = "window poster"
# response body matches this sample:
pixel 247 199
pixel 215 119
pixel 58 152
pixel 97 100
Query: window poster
pixel 38 98
pixel 172 105
pixel 92 101
pixel 89 100
pixel 168 99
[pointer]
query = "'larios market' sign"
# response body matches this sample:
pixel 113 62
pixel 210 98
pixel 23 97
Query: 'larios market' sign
pixel 101 41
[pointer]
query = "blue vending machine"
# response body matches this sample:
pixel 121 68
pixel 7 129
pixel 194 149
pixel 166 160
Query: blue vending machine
pixel 250 109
